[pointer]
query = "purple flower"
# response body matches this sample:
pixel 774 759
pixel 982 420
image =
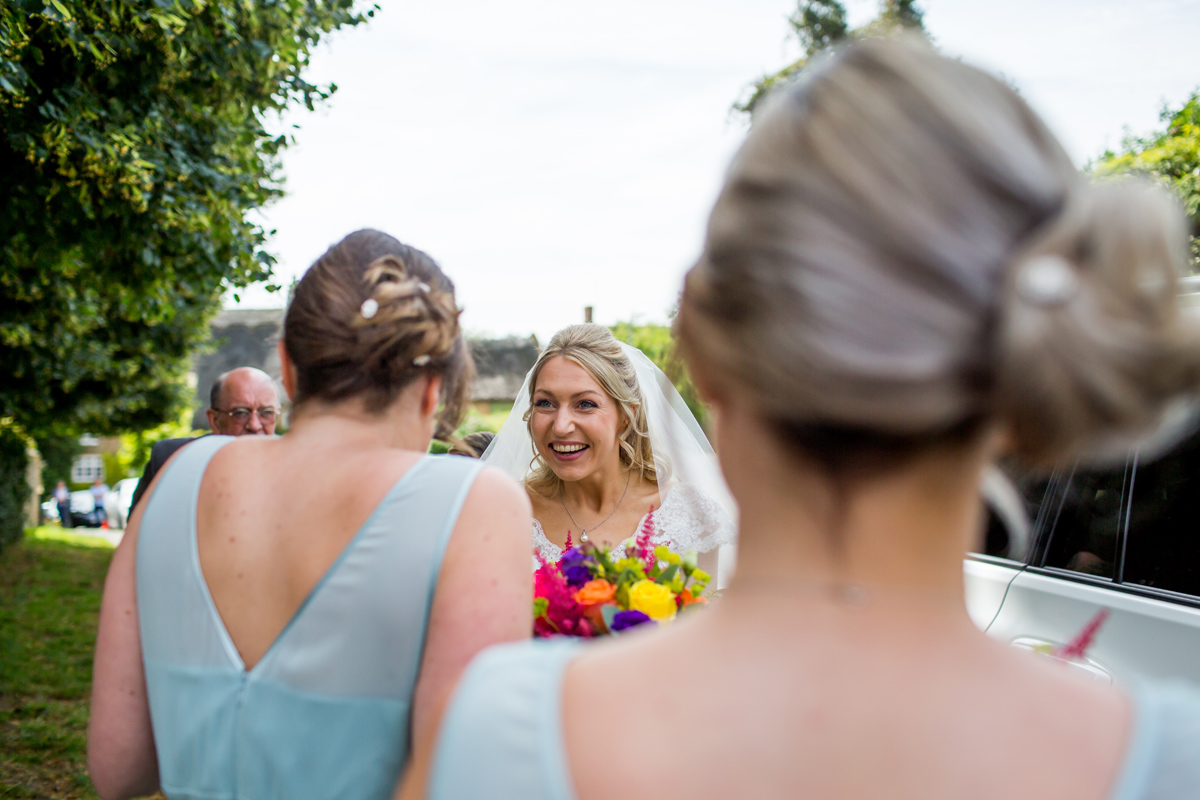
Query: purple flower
pixel 573 564
pixel 571 557
pixel 577 575
pixel 629 619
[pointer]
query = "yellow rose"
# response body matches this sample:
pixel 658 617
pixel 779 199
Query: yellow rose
pixel 652 599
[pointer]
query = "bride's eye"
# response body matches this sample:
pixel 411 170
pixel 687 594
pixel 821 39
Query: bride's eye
pixel 588 404
pixel 542 402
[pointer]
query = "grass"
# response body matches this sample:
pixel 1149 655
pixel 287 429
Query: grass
pixel 50 587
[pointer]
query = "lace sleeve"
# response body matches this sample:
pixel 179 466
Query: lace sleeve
pixel 691 520
pixel 549 550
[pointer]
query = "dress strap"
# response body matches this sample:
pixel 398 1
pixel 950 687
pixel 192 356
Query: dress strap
pixel 502 734
pixel 174 607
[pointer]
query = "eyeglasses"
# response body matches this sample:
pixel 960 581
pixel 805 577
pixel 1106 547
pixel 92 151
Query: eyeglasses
pixel 242 415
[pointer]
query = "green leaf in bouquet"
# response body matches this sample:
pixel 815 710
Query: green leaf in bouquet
pixel 607 612
pixel 540 606
pixel 668 574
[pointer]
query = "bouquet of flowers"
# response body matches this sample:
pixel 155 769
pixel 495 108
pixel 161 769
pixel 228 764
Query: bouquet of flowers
pixel 588 592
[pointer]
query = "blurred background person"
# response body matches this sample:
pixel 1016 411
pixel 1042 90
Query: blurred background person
pixel 62 501
pixel 325 588
pixel 242 402
pixel 99 491
pixel 903 272
pixel 473 444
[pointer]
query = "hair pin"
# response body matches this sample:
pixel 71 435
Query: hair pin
pixel 422 360
pixel 369 308
pixel 1047 281
pixel 424 287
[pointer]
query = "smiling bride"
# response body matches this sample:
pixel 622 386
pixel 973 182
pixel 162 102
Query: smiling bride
pixel 604 445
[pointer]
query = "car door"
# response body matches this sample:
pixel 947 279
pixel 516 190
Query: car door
pixel 1001 556
pixel 1125 538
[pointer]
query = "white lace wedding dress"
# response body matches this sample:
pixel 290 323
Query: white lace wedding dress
pixel 688 519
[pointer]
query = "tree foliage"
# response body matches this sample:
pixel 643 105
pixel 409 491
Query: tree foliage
pixel 659 345
pixel 820 24
pixel 135 141
pixel 1170 156
pixel 14 490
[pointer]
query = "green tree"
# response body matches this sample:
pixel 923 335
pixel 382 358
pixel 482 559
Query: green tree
pixel 659 345
pixel 1170 156
pixel 819 24
pixel 135 141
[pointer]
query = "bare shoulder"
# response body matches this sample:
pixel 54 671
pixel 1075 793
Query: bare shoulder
pixel 496 508
pixel 494 487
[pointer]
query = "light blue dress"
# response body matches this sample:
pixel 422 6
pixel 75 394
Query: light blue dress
pixel 502 735
pixel 325 713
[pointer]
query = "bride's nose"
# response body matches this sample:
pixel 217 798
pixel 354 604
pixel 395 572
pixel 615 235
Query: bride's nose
pixel 564 422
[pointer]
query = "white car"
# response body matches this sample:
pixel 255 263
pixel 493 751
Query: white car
pixel 1125 538
pixel 118 501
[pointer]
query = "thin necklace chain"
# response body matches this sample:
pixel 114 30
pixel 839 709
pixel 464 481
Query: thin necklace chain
pixel 583 537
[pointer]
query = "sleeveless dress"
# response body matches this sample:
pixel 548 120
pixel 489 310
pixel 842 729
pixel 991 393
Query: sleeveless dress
pixel 502 734
pixel 326 712
pixel 687 520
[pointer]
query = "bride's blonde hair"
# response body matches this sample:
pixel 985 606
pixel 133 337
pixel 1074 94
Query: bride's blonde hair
pixel 594 348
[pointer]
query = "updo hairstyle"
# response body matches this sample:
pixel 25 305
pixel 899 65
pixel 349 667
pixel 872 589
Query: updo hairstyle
pixel 902 253
pixel 594 348
pixel 370 316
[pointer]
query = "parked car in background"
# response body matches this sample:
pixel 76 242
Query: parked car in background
pixel 50 511
pixel 84 513
pixel 117 503
pixel 1124 538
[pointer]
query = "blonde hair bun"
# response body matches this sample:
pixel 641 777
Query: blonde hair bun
pixel 903 252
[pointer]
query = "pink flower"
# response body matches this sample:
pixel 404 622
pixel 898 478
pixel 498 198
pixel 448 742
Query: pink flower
pixel 563 615
pixel 1078 647
pixel 643 548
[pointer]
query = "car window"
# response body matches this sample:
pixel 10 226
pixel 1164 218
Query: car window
pixel 1163 544
pixel 1030 487
pixel 1084 527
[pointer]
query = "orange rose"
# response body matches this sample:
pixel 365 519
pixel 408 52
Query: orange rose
pixel 595 592
pixel 686 599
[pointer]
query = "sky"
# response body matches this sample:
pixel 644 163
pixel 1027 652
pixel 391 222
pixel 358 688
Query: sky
pixel 553 155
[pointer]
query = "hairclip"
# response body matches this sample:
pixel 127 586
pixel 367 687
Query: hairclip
pixel 369 308
pixel 1047 281
pixel 422 360
pixel 424 287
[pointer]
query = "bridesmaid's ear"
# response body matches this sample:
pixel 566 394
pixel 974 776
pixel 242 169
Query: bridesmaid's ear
pixel 288 369
pixel 431 396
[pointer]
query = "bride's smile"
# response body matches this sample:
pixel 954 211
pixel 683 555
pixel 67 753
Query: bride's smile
pixel 576 425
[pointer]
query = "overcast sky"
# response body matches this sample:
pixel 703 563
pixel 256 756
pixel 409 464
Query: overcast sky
pixel 552 155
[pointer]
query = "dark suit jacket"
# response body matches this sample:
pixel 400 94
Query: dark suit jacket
pixel 159 454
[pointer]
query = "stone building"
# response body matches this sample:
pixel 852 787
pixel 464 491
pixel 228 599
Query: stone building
pixel 248 338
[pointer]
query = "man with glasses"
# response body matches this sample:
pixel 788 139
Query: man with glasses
pixel 243 402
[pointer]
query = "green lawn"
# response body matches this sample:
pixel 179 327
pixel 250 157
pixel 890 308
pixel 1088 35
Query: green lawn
pixel 49 596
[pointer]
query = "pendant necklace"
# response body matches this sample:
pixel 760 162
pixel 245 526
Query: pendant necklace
pixel 583 537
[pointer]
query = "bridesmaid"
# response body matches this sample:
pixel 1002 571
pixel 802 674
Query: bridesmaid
pixel 902 271
pixel 282 612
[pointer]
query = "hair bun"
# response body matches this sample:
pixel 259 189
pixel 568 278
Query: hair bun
pixel 1092 346
pixel 410 322
pixel 370 316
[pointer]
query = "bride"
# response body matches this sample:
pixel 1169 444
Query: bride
pixel 604 445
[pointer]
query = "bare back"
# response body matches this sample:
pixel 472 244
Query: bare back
pixel 826 709
pixel 272 517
